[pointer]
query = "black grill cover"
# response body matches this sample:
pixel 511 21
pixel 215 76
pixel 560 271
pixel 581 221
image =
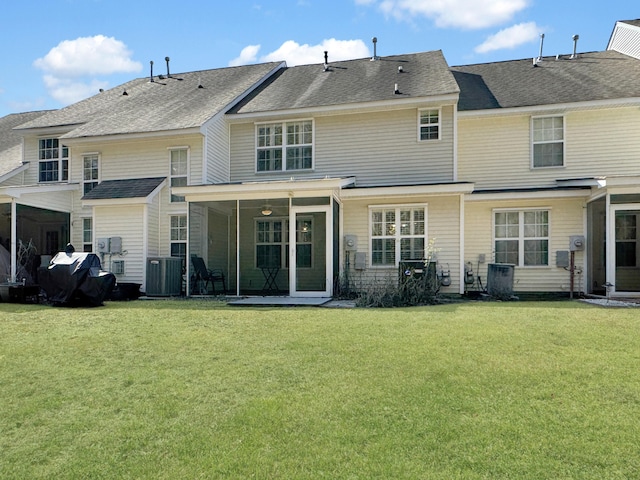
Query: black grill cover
pixel 76 279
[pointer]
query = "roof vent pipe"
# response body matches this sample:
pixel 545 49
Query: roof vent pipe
pixel 166 59
pixel 375 55
pixel 326 60
pixel 575 45
pixel 151 75
pixel 541 43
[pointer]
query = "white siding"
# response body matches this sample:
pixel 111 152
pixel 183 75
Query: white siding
pixel 217 138
pixel 625 39
pixel 566 218
pixel 128 223
pixel 495 152
pixel 379 148
pixel 443 229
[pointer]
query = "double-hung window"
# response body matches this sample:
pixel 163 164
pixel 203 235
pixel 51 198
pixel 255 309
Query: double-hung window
pixel 522 237
pixel 547 141
pixel 53 160
pixel 272 243
pixel 179 236
pixel 429 124
pixel 284 146
pixel 87 234
pixel 179 167
pixel 398 234
pixel 90 172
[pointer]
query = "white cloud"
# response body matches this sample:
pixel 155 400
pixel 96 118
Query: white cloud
pixel 466 14
pixel 249 54
pixel 71 68
pixel 510 37
pixel 295 54
pixel 68 91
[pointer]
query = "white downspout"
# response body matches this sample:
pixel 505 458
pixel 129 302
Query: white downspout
pixel 237 248
pixel 14 240
pixel 461 271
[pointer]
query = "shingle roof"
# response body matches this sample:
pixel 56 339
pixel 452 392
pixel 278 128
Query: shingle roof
pixel 635 23
pixel 129 188
pixel 353 81
pixel 592 76
pixel 11 141
pixel 166 104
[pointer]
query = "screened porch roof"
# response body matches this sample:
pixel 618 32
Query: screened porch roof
pixel 267 189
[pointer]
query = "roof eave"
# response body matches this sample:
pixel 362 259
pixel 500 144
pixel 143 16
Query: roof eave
pixel 380 105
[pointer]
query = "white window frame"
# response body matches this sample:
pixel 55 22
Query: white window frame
pixel 284 145
pixel 397 236
pixel 438 124
pixel 185 176
pixel 93 182
pixel 87 243
pixel 535 142
pixel 53 154
pixel 521 238
pixel 178 234
pixel 284 241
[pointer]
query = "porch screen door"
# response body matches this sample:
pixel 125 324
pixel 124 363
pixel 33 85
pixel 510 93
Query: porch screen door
pixel 310 251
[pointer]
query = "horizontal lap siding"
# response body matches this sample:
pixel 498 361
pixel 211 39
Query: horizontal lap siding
pixel 443 214
pixel 126 222
pixel 495 152
pixel 566 219
pixel 217 153
pixel 379 148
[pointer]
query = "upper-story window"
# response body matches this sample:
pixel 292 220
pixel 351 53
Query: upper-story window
pixel 284 146
pixel 429 124
pixel 547 135
pixel 179 170
pixel 53 160
pixel 90 171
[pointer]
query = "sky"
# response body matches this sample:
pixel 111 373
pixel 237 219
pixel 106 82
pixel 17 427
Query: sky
pixel 56 52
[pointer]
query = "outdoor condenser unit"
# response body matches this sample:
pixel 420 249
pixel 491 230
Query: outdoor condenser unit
pixel 500 280
pixel 164 276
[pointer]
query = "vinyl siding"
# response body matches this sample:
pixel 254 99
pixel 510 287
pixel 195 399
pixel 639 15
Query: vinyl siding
pixel 379 148
pixel 495 152
pixel 566 218
pixel 217 162
pixel 443 229
pixel 128 223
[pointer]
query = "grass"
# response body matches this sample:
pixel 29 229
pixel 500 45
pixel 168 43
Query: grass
pixel 196 389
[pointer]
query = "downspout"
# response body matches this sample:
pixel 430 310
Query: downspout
pixel 14 240
pixel 237 248
pixel 461 271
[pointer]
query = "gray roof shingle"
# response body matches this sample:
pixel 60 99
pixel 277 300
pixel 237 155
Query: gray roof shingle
pixel 128 188
pixel 11 141
pixel 163 105
pixel 353 81
pixel 635 23
pixel 592 76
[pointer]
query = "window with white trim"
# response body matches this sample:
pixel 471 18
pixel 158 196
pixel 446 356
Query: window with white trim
pixel 179 168
pixel 547 135
pixel 179 236
pixel 53 161
pixel 284 146
pixel 429 124
pixel 398 234
pixel 87 235
pixel 272 243
pixel 522 237
pixel 90 172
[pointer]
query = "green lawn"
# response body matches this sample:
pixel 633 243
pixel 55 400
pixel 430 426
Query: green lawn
pixel 196 389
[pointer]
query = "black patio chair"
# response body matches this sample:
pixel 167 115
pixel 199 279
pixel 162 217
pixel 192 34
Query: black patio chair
pixel 203 275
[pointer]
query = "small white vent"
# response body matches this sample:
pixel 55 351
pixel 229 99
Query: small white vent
pixel 117 267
